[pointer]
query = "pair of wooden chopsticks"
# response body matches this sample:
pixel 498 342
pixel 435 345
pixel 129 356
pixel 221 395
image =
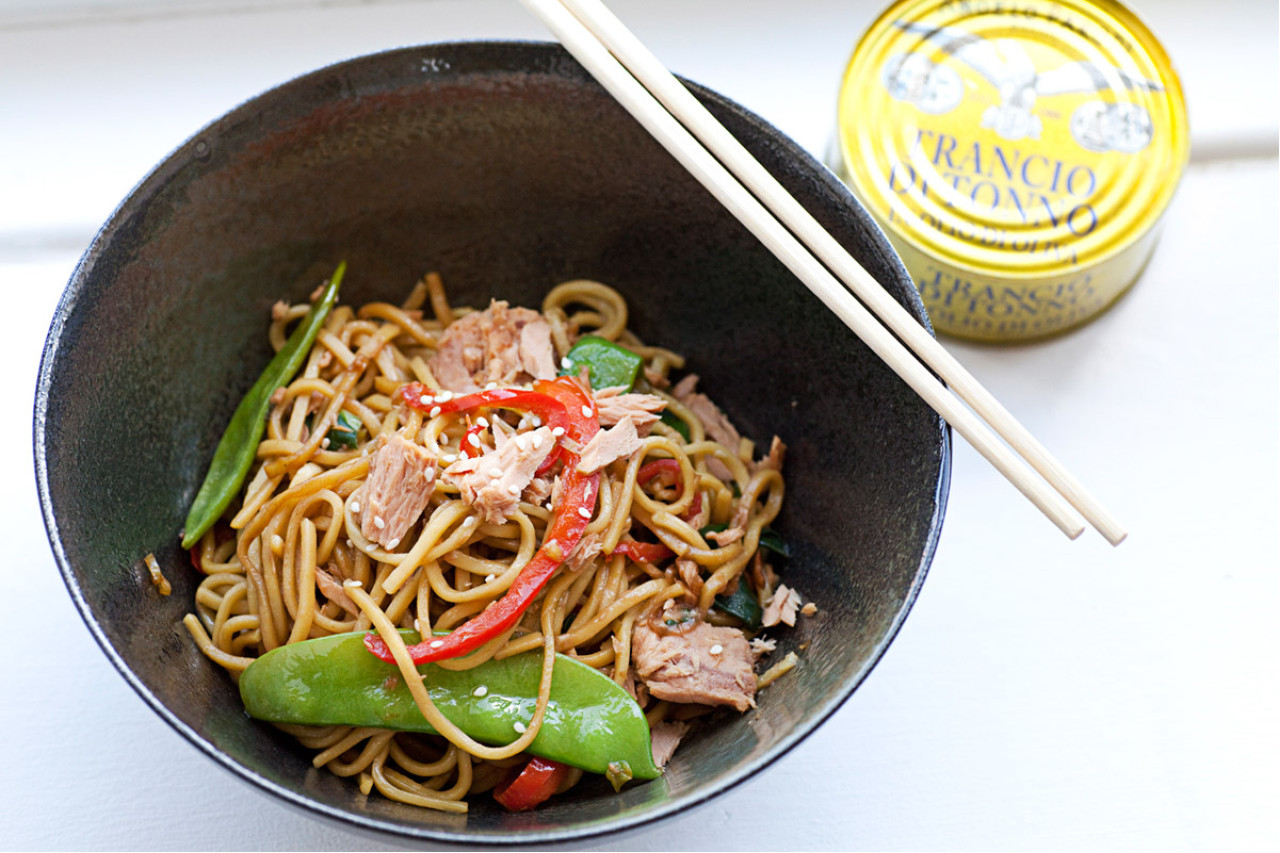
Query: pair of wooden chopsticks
pixel 668 111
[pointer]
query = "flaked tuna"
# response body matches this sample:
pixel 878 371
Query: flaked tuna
pixel 500 344
pixel 617 442
pixel 705 665
pixel 781 607
pixel 329 581
pixel 614 404
pixel 494 481
pixel 777 454
pixel 401 477
pixel 587 549
pixel 664 738
pixel 718 426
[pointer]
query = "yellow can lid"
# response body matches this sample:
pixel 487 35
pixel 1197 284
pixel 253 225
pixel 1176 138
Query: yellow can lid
pixel 1015 137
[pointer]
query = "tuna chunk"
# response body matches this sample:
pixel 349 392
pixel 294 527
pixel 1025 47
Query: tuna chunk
pixel 777 453
pixel 617 442
pixel 782 607
pixel 587 549
pixel 664 738
pixel 493 481
pixel 707 665
pixel 329 580
pixel 727 536
pixel 713 420
pixel 401 477
pixel 614 405
pixel 500 344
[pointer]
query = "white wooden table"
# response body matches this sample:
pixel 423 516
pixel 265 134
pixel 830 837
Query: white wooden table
pixel 1044 694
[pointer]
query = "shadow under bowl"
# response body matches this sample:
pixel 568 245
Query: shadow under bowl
pixel 503 166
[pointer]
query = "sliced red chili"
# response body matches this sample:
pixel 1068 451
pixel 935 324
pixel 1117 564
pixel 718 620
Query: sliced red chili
pixel 665 470
pixel 644 552
pixel 532 786
pixel 559 403
pixel 695 507
pixel 471 441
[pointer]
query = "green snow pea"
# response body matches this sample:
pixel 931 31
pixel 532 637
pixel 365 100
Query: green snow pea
pixel 234 454
pixel 608 365
pixel 591 722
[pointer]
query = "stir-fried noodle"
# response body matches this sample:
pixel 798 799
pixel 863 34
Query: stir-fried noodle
pixel 676 524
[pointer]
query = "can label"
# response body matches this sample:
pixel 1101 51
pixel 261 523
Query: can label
pixel 1015 152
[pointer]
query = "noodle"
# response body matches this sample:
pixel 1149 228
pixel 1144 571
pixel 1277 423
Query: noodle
pixel 296 559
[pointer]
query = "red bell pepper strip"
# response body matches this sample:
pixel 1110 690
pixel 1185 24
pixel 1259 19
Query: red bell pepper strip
pixel 665 470
pixel 531 786
pixel 644 552
pixel 559 403
pixel 470 448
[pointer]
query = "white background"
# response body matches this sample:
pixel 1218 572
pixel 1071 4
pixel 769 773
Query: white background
pixel 1044 694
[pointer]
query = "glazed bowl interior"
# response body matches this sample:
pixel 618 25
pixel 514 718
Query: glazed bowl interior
pixel 506 169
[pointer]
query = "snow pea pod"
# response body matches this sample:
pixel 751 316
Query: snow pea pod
pixel 608 364
pixel 234 454
pixel 591 722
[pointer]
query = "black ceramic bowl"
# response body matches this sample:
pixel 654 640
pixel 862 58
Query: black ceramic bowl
pixel 507 169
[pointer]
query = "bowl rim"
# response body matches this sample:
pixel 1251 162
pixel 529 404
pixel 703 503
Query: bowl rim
pixel 366 823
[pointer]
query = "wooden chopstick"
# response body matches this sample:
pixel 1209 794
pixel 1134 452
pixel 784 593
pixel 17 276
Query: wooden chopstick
pixel 590 32
pixel 690 112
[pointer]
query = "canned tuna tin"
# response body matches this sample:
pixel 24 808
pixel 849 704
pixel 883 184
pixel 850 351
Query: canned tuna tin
pixel 1018 153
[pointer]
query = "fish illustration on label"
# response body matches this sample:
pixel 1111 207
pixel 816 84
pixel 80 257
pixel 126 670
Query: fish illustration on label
pixel 936 88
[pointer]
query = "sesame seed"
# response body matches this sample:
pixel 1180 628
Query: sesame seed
pixel 482 422
pixel 391 546
pixel 716 649
pixel 513 489
pixel 495 473
pixel 473 440
pixel 450 457
pixel 426 399
pixel 480 691
pixel 324 442
pixel 535 420
pixel 489 578
pixel 352 582
pixel 435 410
pixel 355 506
pixel 378 522
pixel 584 512
pixel 520 727
pixel 522 441
pixel 469 521
pixel 536 441
pixel 489 386
pixel 558 431
pixel 435 644
pixel 566 363
pixel 417 626
pixel 586 411
pixel 444 396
